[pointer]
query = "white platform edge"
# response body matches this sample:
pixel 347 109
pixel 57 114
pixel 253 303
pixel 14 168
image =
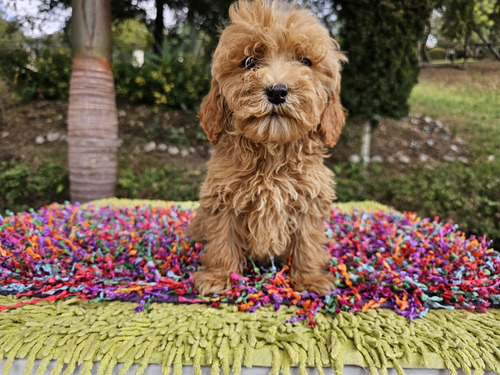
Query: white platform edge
pixel 19 365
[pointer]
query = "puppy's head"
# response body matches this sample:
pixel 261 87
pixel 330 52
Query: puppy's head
pixel 275 76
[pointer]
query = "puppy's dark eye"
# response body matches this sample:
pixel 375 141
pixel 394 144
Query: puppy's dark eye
pixel 249 62
pixel 306 61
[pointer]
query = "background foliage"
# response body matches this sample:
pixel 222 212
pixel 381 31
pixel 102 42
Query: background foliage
pixel 46 76
pixel 381 39
pixel 22 188
pixel 174 79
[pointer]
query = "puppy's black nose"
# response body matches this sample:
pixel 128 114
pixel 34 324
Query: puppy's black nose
pixel 277 93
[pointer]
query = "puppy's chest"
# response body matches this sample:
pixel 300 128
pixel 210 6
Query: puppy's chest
pixel 262 191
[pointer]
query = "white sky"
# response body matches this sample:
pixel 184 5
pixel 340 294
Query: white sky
pixel 55 21
pixel 9 9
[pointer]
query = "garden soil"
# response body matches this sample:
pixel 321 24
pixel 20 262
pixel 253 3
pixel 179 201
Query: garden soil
pixel 34 133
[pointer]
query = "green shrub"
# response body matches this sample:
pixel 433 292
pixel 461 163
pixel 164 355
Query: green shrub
pixel 52 72
pixel 50 183
pixel 175 79
pixel 14 177
pixel 383 65
pixel 470 196
pixel 22 188
pixel 164 183
pixel 45 76
pixel 437 53
pixel 15 72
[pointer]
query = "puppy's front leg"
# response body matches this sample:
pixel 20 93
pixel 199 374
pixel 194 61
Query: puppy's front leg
pixel 222 254
pixel 310 258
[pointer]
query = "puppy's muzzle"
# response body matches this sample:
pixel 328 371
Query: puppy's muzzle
pixel 277 94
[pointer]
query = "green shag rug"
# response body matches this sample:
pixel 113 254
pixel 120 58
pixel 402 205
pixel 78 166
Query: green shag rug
pixel 81 333
pixel 78 334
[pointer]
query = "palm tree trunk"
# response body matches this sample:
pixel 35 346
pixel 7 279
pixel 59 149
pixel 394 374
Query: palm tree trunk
pixel 92 115
pixel 92 130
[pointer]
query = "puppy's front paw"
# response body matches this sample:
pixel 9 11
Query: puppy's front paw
pixel 212 282
pixel 320 283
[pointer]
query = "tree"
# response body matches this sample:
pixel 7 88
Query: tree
pixel 130 35
pixel 204 15
pixel 92 115
pixel 381 40
pixel 159 26
pixel 461 18
pixel 120 10
pixel 9 32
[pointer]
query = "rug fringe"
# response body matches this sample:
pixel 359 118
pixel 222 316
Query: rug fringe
pixel 79 334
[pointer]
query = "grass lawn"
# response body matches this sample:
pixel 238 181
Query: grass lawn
pixel 467 100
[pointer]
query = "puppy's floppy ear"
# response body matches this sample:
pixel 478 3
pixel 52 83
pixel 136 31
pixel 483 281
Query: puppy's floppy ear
pixel 212 115
pixel 332 119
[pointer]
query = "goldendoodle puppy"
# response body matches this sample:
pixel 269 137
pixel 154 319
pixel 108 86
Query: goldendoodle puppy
pixel 272 108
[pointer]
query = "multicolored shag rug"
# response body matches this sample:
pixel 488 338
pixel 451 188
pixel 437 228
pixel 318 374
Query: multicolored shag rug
pixel 385 264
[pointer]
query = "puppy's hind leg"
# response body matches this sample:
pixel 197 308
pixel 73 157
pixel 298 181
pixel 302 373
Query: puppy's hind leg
pixel 222 254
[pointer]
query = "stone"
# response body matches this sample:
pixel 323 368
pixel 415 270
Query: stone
pixel 449 158
pixel 39 140
pixel 184 153
pixel 454 148
pixel 424 158
pixel 430 142
pixel 377 159
pixel 463 159
pixel 162 147
pixel 427 119
pixel 172 150
pixel 414 144
pixel 151 146
pixel 354 159
pixel 53 136
pixel 404 159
